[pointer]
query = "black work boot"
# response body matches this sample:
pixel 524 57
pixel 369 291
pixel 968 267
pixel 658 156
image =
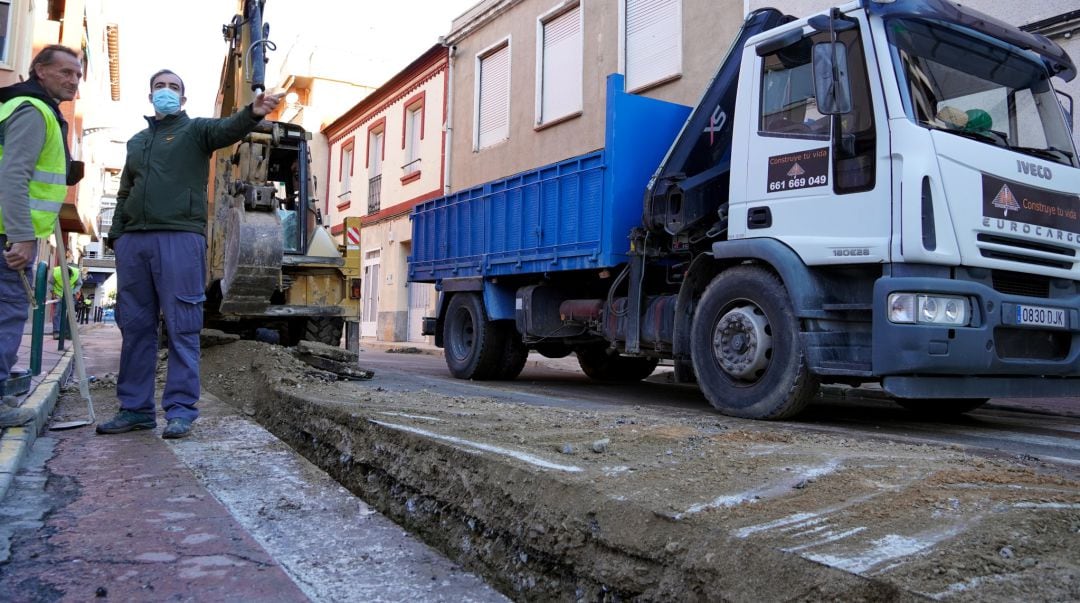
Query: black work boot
pixel 126 421
pixel 177 428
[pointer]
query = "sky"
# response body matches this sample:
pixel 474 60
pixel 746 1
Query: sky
pixel 376 39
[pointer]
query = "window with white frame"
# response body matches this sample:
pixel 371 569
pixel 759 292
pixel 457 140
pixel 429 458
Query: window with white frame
pixel 345 173
pixel 651 41
pixel 559 65
pixel 414 127
pixel 493 96
pixel 6 30
pixel 375 152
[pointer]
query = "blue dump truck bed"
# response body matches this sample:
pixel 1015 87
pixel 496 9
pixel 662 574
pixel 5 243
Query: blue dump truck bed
pixel 571 215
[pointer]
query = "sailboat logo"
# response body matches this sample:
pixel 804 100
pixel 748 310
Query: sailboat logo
pixel 796 170
pixel 1005 200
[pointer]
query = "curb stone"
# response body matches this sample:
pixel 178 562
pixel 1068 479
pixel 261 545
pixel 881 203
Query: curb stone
pixel 16 442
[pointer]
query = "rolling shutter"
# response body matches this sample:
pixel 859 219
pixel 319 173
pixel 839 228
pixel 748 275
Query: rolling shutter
pixel 561 85
pixel 653 41
pixel 494 114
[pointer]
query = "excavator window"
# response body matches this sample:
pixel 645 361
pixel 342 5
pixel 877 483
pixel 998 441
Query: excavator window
pixel 284 173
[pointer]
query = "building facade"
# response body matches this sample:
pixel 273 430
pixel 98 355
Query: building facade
pixel 529 75
pixel 25 28
pixel 385 156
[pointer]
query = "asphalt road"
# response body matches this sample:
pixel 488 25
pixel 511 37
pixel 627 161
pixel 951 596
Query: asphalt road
pixel 1037 430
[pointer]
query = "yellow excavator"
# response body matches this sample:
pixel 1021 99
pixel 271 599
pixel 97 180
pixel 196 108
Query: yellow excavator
pixel 274 271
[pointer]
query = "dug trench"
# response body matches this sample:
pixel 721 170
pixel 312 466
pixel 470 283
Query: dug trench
pixel 557 504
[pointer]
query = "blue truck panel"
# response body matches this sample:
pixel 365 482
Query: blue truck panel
pixel 570 215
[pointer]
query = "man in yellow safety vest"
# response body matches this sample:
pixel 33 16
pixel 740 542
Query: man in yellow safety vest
pixel 35 171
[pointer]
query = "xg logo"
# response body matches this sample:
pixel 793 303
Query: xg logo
pixel 716 123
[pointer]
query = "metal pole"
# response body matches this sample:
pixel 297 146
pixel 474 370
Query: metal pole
pixel 37 338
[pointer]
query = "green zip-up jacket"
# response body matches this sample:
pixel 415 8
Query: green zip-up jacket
pixel 163 185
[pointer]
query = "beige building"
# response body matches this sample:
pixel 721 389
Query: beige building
pixel 529 75
pixel 25 28
pixel 385 156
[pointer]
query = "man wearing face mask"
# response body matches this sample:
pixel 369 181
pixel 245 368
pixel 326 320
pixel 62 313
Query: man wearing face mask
pixel 158 233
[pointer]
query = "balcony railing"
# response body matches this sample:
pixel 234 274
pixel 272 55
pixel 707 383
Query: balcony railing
pixel 411 168
pixel 374 194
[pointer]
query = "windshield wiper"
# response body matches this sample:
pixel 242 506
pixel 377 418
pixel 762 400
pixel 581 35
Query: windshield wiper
pixel 992 139
pixel 1052 153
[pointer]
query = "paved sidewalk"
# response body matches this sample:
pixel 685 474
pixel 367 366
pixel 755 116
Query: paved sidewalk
pixel 228 514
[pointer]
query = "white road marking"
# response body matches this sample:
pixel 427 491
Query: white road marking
pixel 521 456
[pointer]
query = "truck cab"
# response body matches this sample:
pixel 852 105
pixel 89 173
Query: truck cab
pixel 907 170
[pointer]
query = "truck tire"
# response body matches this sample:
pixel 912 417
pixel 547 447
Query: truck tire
pixel 745 347
pixel 941 408
pixel 324 330
pixel 473 344
pixel 515 353
pixel 603 364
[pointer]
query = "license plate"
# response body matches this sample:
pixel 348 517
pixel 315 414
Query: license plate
pixel 1041 317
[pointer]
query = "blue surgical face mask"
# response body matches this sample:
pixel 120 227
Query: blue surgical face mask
pixel 166 101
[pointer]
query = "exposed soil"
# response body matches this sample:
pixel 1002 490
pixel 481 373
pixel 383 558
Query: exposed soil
pixel 554 503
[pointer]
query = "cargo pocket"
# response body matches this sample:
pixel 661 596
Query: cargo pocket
pixel 188 317
pixel 12 291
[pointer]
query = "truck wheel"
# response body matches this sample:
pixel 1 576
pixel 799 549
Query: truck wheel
pixel 473 344
pixel 515 353
pixel 324 330
pixel 603 364
pixel 941 408
pixel 745 347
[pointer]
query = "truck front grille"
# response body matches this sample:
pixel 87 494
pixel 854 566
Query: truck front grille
pixel 1018 283
pixel 1023 251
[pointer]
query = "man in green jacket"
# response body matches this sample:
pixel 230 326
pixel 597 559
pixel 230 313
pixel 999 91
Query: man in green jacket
pixel 158 233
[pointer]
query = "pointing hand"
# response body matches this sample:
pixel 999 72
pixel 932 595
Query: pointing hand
pixel 265 103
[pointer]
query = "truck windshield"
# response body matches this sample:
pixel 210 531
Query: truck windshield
pixel 970 85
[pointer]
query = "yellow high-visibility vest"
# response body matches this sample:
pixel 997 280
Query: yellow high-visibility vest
pixel 58 285
pixel 48 186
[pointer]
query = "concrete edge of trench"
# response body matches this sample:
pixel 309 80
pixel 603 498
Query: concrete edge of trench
pixel 532 533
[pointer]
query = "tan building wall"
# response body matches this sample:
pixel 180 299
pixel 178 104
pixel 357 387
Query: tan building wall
pixel 708 26
pixel 386 230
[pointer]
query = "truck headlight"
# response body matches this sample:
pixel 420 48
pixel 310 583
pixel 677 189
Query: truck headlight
pixel 909 308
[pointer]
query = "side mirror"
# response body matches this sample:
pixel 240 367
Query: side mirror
pixel 832 89
pixel 1067 107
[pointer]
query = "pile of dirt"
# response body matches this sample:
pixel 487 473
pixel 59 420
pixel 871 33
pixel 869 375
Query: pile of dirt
pixel 556 503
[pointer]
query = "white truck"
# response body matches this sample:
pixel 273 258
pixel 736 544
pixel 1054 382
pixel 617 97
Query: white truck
pixel 887 192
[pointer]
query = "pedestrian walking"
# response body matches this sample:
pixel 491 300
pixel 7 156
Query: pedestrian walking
pixel 158 233
pixel 35 171
pixel 87 307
